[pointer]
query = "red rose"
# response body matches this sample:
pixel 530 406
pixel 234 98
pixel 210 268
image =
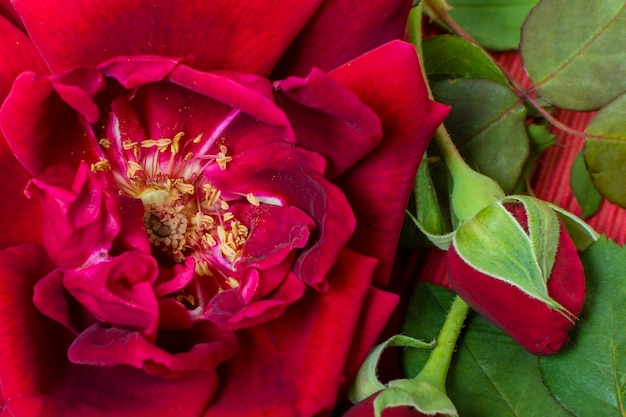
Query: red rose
pixel 214 190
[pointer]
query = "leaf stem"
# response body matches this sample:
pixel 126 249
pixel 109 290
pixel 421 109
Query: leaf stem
pixel 435 370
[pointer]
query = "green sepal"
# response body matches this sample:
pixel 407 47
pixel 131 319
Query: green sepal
pixel 366 381
pixel 578 230
pixel 494 243
pixel 425 397
pixel 441 241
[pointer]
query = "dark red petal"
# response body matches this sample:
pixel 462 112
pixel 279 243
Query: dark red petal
pixel 24 215
pixel 18 55
pixel 388 80
pixel 539 329
pixel 89 391
pixel 24 366
pixel 8 11
pixel 248 36
pixel 299 358
pixel 329 119
pixel 342 30
pixel 377 304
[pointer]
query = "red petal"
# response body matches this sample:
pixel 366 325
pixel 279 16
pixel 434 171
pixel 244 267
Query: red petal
pixel 329 119
pixel 342 30
pixel 290 176
pixel 18 54
pixel 388 80
pixel 298 359
pixel 244 36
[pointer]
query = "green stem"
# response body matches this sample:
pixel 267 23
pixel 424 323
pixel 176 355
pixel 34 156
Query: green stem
pixel 435 370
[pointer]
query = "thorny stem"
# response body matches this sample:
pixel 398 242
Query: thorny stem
pixel 439 10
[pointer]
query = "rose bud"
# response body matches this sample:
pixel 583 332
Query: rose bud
pixel 514 263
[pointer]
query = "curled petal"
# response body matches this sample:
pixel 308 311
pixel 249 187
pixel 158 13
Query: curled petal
pixel 135 71
pixel 293 180
pixel 78 88
pixel 102 345
pixel 80 223
pixel 44 132
pixel 329 119
pixel 228 311
pixel 118 291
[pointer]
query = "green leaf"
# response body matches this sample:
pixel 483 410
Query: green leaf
pixel 495 24
pixel 487 125
pixel 449 57
pixel 494 243
pixel 540 139
pixel 589 376
pixel 491 375
pixel 573 51
pixel 425 315
pixel 605 153
pixel 587 196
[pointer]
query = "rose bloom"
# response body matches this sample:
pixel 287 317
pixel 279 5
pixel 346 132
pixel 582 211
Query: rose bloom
pixel 201 202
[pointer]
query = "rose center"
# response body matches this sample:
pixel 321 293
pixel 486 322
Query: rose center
pixel 184 214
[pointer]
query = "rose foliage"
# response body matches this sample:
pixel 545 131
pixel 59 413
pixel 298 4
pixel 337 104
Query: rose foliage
pixel 201 202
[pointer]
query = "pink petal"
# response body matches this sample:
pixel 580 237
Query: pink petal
pixel 118 291
pixel 100 345
pixel 341 30
pixel 228 312
pixel 80 223
pixel 329 119
pixel 299 358
pixel 388 80
pixel 248 36
pixel 43 131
